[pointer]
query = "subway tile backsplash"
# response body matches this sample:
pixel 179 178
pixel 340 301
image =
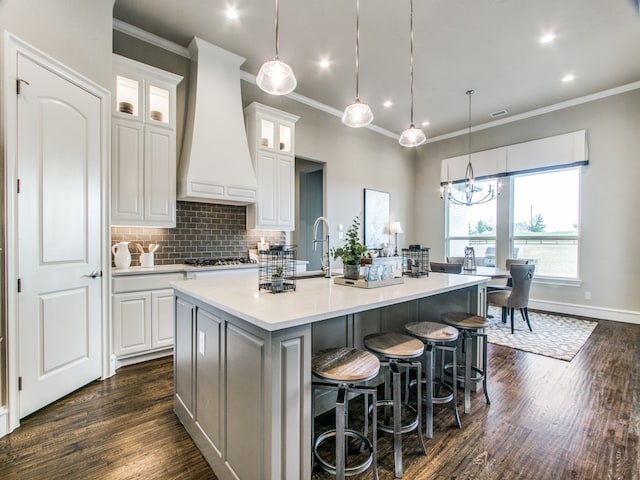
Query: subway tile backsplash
pixel 203 230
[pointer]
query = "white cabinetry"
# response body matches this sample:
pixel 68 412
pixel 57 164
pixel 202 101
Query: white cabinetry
pixel 271 135
pixel 143 316
pixel 143 145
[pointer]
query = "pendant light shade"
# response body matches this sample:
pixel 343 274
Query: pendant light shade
pixel 357 114
pixel 412 136
pixel 275 76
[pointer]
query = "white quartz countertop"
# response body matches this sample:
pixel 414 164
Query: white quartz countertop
pixel 314 299
pixel 179 268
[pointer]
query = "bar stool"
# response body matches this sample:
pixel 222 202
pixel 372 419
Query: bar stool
pixel 470 326
pixel 436 336
pixel 398 351
pixel 345 369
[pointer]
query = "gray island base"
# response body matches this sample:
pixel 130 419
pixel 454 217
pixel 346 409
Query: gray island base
pixel 243 358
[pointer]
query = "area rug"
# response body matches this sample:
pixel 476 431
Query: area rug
pixel 556 336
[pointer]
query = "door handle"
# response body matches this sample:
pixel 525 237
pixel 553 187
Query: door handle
pixel 94 274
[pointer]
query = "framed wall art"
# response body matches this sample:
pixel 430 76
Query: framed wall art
pixel 376 218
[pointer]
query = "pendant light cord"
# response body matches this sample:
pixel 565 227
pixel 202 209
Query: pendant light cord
pixel 411 62
pixel 357 50
pixel 277 35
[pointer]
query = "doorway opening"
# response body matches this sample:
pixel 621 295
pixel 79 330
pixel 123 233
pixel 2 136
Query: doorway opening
pixel 310 205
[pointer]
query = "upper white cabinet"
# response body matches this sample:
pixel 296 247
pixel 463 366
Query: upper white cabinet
pixel 143 145
pixel 271 135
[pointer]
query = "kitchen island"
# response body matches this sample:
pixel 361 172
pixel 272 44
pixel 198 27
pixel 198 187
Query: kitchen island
pixel 243 358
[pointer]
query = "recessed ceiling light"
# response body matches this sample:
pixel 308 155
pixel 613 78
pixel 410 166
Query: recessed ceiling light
pixel 387 104
pixel 548 38
pixel 324 63
pixel 568 78
pixel 232 13
pixel 425 123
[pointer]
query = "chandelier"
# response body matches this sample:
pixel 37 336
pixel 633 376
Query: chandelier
pixel 470 189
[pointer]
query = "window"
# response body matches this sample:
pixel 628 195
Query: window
pixel 546 221
pixel 473 226
pixel 537 216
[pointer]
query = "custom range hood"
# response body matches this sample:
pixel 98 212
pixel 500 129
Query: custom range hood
pixel 215 166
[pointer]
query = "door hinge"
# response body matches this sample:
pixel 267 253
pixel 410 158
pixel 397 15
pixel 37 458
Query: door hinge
pixel 19 384
pixel 20 81
pixel 18 185
pixel 19 285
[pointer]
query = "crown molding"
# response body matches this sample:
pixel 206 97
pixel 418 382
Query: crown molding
pixel 170 46
pixel 540 111
pixel 135 32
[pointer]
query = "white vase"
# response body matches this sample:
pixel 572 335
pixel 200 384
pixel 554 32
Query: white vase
pixel 121 254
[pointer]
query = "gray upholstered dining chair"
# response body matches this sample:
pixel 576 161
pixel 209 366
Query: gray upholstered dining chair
pixel 508 263
pixel 445 267
pixel 517 296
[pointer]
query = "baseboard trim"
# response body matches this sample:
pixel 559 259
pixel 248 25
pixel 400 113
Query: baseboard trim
pixel 616 315
pixel 123 362
pixel 4 422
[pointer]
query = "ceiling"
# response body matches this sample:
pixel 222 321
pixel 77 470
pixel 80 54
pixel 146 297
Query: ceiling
pixel 490 46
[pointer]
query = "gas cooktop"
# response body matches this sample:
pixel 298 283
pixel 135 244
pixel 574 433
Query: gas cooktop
pixel 220 261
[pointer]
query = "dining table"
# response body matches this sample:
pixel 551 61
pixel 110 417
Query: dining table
pixel 493 272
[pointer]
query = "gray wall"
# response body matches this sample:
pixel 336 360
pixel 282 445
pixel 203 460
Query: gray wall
pixel 609 198
pixel 74 32
pixel 355 159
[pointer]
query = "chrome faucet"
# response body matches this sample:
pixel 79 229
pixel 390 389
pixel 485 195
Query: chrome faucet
pixel 327 268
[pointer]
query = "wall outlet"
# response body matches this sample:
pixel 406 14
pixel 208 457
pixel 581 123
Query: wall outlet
pixel 587 295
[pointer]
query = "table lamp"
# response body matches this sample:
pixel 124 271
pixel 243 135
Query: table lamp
pixel 396 228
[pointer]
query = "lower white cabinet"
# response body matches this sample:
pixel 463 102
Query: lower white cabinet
pixel 143 315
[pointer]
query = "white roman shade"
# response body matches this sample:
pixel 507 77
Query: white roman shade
pixel 559 151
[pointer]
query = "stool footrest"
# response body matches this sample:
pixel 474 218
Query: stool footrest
pixel 331 467
pixel 405 428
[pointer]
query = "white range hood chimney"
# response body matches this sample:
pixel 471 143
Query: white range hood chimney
pixel 215 166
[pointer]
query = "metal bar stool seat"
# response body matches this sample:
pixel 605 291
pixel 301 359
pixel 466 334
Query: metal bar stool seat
pixel 398 351
pixel 346 369
pixel 471 326
pixel 436 336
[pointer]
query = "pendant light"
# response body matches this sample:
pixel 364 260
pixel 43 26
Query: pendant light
pixel 469 188
pixel 357 114
pixel 275 76
pixel 412 136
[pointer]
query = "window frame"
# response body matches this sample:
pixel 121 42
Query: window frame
pixel 505 238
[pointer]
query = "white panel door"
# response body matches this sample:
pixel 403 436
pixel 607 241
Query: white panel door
pixel 160 176
pixel 59 205
pixel 285 193
pixel 131 322
pixel 162 318
pixel 127 151
pixel 266 175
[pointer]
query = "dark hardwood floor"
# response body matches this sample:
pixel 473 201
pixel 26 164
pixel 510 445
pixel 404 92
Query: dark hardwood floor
pixel 548 419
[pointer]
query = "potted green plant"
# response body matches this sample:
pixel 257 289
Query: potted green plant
pixel 352 253
pixel 276 279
